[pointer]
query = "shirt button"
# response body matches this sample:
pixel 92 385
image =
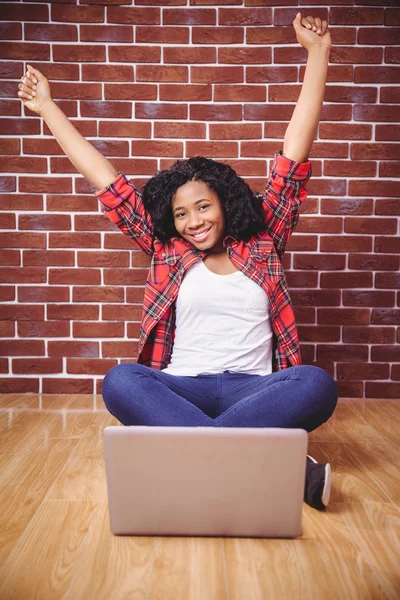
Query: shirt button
pixel 164 255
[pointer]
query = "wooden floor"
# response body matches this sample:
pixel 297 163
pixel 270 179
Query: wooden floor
pixel 55 540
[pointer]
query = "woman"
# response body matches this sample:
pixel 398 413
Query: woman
pixel 218 341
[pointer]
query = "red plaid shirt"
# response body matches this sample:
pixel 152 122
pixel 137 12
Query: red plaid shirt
pixel 259 259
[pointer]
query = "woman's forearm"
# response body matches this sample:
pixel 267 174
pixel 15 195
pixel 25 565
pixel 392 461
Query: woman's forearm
pixel 89 161
pixel 301 130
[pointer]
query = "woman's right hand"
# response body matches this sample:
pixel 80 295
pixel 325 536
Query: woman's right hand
pixel 34 91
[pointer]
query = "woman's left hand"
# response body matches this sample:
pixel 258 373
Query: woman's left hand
pixel 311 32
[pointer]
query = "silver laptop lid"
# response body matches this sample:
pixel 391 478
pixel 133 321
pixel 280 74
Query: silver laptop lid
pixel 205 480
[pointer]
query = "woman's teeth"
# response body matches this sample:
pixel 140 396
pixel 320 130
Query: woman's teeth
pixel 201 236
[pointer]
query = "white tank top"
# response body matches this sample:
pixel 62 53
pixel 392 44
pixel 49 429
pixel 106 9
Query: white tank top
pixel 222 324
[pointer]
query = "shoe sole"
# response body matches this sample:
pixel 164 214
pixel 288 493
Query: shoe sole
pixel 326 492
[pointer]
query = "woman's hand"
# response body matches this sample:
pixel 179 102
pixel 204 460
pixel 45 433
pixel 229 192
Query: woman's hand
pixel 34 90
pixel 311 32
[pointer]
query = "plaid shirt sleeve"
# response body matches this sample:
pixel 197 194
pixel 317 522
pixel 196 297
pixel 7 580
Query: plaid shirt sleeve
pixel 123 205
pixel 284 192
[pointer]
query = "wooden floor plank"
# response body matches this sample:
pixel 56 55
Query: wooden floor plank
pixel 42 562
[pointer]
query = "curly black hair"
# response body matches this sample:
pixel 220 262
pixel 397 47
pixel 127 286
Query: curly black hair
pixel 244 215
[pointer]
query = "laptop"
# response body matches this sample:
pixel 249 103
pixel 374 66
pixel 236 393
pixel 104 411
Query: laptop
pixel 205 481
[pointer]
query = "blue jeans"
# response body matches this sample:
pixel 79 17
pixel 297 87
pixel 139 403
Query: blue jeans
pixel 297 397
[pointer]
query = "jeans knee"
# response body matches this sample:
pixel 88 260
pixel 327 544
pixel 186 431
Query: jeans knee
pixel 327 388
pixel 116 378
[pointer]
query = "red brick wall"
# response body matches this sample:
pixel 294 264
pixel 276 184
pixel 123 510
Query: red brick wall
pixel 165 79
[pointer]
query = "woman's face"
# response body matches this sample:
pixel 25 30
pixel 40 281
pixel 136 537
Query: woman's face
pixel 199 216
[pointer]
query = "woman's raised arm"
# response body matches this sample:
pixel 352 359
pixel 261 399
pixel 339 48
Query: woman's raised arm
pixel 313 35
pixel 35 94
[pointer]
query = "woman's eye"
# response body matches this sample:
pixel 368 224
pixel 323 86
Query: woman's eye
pixel 204 206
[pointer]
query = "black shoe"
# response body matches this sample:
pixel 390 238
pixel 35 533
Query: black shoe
pixel 317 489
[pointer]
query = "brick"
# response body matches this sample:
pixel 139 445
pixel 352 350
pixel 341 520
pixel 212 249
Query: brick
pixel 270 74
pixel 23 12
pixel 212 149
pixel 127 349
pixel 180 130
pixel 356 16
pixel 349 168
pixel 107 73
pixel 342 316
pixel 246 55
pixel 35 258
pixel 395 372
pixel 89 367
pixel 189 55
pixel 79 53
pixel 162 73
pixel 302 279
pixel 319 262
pixel 382 36
pixel 359 298
pixel 45 185
pixel 305 314
pixel 136 166
pixel 390 206
pixel 346 206
pixel 22 275
pixel 131 91
pixel 290 55
pixel 47 293
pixel 106 33
pixel 387 280
pixel 392 16
pixel 168 2
pixel 73 348
pixel 68 386
pixel 390 95
pixel 382 390
pixel 340 93
pixel 341 73
pixel 369 187
pixel 271 35
pixel 155 148
pixel 362 225
pixel 381 74
pixel 29 50
pixel 248 167
pixel 79 91
pixel 344 131
pixel 389 169
pixel 317 334
pixel 240 93
pixel 77 14
pixel 275 130
pixel 332 112
pixel 320 225
pixel 98 108
pixel 361 371
pixel 218 35
pixel 347 244
pixel 86 128
pixel 11 70
pixel 75 240
pixel 8 89
pixel 352 54
pixel 134 54
pixel 342 352
pixel 385 353
pixel 385 316
pixel 392 55
pixel 41 146
pixel 202 112
pixel 373 262
pixel 369 335
pixel 22 202
pixel 235 131
pixel 387 132
pixel 39 365
pixel 189 16
pixel 216 74
pixel 134 16
pixel 11 31
pixel 74 276
pixel 98 294
pixel 96 330
pixel 346 280
pixel 163 35
pixel 55 71
pixel 9 146
pixel 387 244
pixel 315 297
pixel 245 16
pixel 285 16
pixel 187 93
pixel 269 112
pixel 123 277
pixel 376 151
pixel 49 32
pixel 261 149
pixel 19 240
pixel 302 242
pixel 350 389
pixel 21 348
pixel 157 110
pixel 21 165
pixel 128 129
